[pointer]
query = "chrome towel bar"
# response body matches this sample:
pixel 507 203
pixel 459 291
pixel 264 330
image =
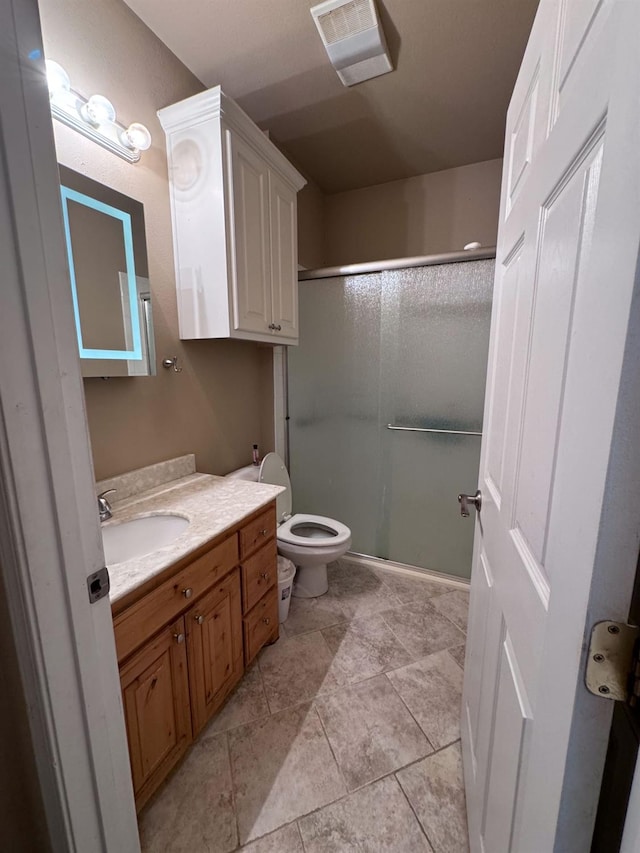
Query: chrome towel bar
pixel 441 431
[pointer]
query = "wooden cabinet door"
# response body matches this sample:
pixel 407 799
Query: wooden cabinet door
pixel 214 638
pixel 249 227
pixel 155 693
pixel 284 257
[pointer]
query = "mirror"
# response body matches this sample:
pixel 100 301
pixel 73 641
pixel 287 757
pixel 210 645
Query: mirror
pixel 107 254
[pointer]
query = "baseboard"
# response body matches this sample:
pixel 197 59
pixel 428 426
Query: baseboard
pixel 404 569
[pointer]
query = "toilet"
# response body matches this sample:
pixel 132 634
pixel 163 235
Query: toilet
pixel 309 541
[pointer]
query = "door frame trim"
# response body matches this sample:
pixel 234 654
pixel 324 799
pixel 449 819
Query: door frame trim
pixel 49 531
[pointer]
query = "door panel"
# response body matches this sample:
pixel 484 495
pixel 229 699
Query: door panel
pixel 249 223
pixel 566 233
pixel 508 743
pixel 533 738
pixel 284 256
pixel 155 693
pixel 214 639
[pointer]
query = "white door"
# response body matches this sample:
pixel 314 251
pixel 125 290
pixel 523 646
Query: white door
pixel 249 222
pixel 556 540
pixel 284 257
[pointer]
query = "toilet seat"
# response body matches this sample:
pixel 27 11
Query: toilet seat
pixel 319 531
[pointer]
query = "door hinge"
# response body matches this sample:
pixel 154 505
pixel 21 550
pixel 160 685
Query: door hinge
pixel 98 585
pixel 613 663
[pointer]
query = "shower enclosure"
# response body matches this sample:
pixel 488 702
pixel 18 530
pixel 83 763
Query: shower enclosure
pixel 386 394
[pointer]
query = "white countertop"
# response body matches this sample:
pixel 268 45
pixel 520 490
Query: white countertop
pixel 211 504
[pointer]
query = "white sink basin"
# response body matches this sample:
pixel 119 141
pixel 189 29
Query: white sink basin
pixel 140 536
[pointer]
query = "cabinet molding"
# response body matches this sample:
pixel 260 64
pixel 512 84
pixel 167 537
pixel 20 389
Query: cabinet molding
pixel 234 215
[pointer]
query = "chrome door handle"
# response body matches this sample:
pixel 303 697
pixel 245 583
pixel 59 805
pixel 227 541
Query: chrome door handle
pixel 465 500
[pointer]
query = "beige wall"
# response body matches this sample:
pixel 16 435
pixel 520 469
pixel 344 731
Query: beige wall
pixel 311 226
pixel 439 212
pixel 216 406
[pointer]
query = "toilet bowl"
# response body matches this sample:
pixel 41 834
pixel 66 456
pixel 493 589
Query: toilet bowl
pixel 309 541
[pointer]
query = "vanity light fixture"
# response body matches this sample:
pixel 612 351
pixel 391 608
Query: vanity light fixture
pixel 94 117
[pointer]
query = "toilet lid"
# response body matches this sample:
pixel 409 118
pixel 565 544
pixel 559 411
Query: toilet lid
pixel 274 472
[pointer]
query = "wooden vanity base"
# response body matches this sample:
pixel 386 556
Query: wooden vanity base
pixel 184 639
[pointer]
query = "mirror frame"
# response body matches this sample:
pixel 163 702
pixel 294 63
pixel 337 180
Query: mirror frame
pixel 80 189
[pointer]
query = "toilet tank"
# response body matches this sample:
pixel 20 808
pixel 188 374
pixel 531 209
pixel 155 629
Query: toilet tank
pixel 249 472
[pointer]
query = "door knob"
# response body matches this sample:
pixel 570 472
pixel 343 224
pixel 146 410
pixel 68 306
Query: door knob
pixel 465 500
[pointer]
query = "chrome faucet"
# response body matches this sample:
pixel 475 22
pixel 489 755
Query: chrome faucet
pixel 104 507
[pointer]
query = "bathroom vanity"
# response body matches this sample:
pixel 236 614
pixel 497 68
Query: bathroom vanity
pixel 188 620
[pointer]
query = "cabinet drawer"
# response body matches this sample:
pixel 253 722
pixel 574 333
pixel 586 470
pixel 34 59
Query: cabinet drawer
pixel 259 573
pixel 145 617
pixel 256 532
pixel 260 625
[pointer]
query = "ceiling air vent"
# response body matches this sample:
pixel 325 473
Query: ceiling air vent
pixel 352 35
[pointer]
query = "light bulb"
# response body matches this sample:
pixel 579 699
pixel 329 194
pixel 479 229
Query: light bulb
pixel 57 78
pixel 136 136
pixel 98 110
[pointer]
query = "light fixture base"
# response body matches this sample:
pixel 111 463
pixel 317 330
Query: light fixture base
pixel 105 135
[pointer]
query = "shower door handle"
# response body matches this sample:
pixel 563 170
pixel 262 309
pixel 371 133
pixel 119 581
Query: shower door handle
pixel 465 500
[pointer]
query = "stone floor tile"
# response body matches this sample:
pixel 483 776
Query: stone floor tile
pixel 370 731
pixel 282 768
pixel 457 653
pixel 421 629
pixel 455 606
pixel 365 647
pixel 435 789
pixel 194 810
pixel 247 702
pixel 312 614
pixel 356 590
pixel 409 588
pixel 431 688
pixel 375 819
pixel 285 840
pixel 296 669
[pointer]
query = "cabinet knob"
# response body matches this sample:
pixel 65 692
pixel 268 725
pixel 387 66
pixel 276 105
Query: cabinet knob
pixel 179 638
pixel 264 575
pixel 266 620
pixel 264 532
pixel 199 619
pixel 278 328
pixel 275 327
pixel 188 592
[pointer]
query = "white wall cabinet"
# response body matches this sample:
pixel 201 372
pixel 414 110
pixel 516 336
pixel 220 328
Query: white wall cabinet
pixel 234 210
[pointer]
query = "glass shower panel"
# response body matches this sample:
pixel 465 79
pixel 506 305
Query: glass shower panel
pixel 403 348
pixel 334 404
pixel 434 342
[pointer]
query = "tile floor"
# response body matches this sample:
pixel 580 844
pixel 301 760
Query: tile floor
pixel 343 736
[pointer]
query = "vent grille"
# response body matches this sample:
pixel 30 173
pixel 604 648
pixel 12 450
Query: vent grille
pixel 347 20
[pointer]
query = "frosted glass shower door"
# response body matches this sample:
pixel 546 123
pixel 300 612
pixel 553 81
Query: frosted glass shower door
pixel 399 348
pixel 434 345
pixel 334 413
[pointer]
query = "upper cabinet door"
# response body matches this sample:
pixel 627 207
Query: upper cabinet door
pixel 284 257
pixel 249 234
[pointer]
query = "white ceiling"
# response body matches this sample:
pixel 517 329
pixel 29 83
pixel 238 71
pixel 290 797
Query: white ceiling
pixel 444 106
